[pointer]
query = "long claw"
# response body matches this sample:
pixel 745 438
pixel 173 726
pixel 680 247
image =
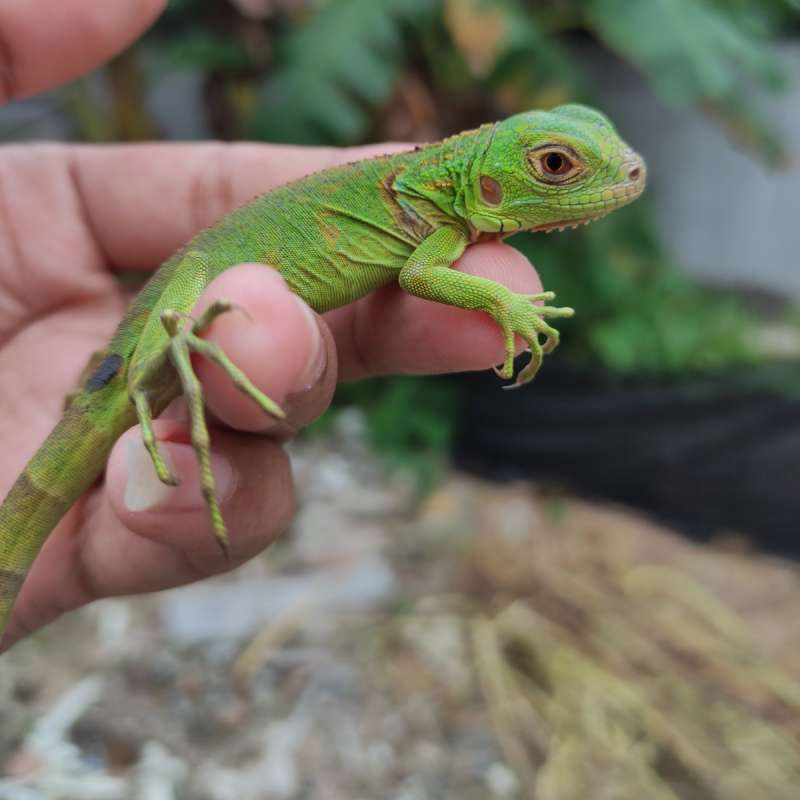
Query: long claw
pixel 552 338
pixel 525 375
pixel 224 545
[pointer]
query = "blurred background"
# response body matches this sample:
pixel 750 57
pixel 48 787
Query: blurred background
pixel 585 588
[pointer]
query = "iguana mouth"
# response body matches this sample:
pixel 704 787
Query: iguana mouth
pixel 572 224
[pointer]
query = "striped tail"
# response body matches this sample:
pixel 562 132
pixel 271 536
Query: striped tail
pixel 64 467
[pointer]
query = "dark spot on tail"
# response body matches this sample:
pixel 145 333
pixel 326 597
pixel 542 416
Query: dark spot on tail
pixel 104 373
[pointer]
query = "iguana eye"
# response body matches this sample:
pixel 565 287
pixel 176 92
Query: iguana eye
pixel 555 164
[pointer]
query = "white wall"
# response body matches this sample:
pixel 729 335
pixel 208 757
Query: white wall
pixel 727 217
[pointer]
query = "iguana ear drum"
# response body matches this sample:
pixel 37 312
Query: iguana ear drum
pixel 491 191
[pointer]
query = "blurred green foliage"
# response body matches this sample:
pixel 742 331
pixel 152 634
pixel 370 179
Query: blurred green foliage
pixel 409 419
pixel 322 70
pixel 332 70
pixel 637 313
pixel 350 71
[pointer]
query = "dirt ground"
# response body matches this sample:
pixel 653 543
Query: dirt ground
pixel 483 642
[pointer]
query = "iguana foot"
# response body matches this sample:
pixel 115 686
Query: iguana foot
pixel 520 316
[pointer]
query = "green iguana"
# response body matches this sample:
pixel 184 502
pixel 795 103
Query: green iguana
pixel 334 236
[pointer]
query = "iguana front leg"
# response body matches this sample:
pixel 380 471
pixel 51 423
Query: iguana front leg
pixel 428 274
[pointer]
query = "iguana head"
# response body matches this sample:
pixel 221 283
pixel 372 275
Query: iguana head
pixel 547 170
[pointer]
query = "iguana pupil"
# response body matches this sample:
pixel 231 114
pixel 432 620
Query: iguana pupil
pixel 556 164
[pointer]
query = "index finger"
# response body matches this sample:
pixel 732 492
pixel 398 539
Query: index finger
pixel 45 43
pixel 143 202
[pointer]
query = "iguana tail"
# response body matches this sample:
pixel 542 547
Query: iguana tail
pixel 64 467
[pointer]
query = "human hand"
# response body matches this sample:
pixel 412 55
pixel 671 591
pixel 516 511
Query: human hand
pixel 71 218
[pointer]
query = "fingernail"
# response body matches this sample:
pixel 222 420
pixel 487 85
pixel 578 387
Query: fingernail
pixel 316 361
pixel 145 492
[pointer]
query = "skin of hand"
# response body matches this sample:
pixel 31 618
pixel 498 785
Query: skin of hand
pixel 71 218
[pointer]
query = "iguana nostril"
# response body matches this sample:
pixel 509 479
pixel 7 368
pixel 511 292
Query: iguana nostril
pixel 635 174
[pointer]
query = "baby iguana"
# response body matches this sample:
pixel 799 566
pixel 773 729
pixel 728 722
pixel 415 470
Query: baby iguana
pixel 334 236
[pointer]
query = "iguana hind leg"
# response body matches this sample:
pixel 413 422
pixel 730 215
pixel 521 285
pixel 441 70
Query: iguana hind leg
pixel 184 339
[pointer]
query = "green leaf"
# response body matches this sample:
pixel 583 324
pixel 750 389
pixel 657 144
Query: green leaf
pixel 332 70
